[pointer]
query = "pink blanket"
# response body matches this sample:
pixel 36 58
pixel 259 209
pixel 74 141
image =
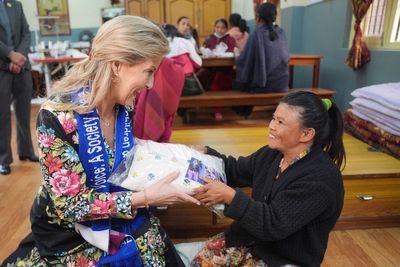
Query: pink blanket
pixel 155 108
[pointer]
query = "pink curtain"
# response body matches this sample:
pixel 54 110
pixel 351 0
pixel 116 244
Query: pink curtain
pixel 359 53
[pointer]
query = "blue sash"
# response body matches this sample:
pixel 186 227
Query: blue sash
pixel 94 158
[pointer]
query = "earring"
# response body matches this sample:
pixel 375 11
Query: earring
pixel 115 79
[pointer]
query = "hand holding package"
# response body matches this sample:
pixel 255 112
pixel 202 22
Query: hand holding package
pixel 150 161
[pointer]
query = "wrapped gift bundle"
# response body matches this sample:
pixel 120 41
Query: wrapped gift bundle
pixel 149 161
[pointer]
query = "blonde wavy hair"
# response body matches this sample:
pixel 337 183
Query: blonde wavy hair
pixel 125 39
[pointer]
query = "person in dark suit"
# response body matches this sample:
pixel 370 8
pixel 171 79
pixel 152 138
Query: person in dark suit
pixel 16 83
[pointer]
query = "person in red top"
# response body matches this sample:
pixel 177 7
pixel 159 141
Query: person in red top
pixel 220 36
pixel 220 78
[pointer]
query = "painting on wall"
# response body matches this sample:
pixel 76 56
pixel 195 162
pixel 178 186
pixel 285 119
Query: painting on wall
pixel 53 17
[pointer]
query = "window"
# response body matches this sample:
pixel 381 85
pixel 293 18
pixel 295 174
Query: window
pixel 374 20
pixel 395 36
pixel 381 25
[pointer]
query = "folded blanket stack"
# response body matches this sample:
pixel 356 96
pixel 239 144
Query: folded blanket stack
pixel 375 117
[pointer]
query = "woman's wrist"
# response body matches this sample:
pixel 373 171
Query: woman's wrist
pixel 229 195
pixel 146 203
pixel 139 200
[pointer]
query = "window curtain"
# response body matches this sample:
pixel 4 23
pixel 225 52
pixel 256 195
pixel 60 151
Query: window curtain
pixel 359 53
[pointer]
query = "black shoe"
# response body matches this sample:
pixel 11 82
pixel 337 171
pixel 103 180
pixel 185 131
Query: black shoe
pixel 32 158
pixel 5 169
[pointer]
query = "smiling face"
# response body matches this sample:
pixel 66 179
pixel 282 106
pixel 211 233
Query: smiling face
pixel 286 133
pixel 132 79
pixel 220 28
pixel 184 26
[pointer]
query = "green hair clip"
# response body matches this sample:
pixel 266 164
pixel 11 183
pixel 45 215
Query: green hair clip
pixel 327 103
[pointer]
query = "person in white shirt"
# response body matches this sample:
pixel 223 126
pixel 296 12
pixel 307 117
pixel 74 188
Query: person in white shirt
pixel 185 28
pixel 182 49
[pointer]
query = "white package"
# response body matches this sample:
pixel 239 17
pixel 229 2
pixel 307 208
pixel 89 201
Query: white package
pixel 149 161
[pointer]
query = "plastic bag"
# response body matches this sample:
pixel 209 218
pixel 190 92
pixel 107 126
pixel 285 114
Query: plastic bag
pixel 220 48
pixel 218 51
pixel 149 161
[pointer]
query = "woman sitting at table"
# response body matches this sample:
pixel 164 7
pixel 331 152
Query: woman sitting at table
pixel 185 29
pixel 218 78
pixel 238 30
pixel 262 66
pixel 297 190
pixel 183 51
pixel 219 36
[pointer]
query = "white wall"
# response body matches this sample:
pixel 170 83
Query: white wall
pixel 82 13
pixel 244 8
pixel 291 3
pixel 86 13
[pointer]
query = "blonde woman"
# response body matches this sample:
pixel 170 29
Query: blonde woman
pixel 84 130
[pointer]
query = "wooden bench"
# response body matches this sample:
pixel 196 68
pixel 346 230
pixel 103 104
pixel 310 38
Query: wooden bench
pixel 238 98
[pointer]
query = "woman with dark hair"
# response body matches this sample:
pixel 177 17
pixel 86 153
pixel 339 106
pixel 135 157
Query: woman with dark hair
pixel 297 190
pixel 182 49
pixel 220 35
pixel 238 30
pixel 262 67
pixel 185 28
pixel 218 78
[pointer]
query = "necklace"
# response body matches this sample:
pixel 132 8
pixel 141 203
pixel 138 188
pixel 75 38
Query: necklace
pixel 297 158
pixel 106 123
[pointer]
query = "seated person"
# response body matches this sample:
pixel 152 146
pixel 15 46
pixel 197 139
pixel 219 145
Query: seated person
pixel 220 35
pixel 183 51
pixel 220 78
pixel 238 30
pixel 155 108
pixel 297 190
pixel 84 130
pixel 185 29
pixel 262 66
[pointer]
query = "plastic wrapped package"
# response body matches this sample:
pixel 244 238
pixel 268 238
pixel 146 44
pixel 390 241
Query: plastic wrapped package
pixel 149 161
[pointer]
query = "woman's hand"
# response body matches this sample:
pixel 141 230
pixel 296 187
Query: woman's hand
pixel 214 192
pixel 164 193
pixel 199 148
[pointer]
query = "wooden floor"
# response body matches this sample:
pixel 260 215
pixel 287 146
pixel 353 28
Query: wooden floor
pixel 371 247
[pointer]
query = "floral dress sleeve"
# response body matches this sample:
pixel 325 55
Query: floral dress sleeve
pixel 64 178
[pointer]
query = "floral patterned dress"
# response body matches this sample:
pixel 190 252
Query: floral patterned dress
pixel 63 199
pixel 216 254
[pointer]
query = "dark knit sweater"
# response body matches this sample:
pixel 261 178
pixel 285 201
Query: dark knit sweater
pixel 288 220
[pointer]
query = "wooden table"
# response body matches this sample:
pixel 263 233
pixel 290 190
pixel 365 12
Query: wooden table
pixel 314 60
pixel 46 70
pixel 295 59
pixel 218 62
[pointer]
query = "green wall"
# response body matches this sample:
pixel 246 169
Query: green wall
pixel 324 29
